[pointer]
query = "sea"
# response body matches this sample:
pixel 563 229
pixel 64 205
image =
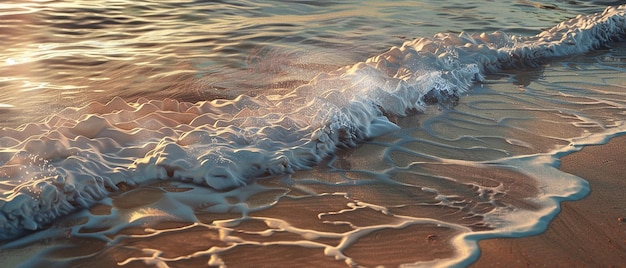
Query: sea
pixel 301 133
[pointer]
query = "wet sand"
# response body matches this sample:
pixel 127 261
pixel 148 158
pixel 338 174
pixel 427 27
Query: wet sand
pixel 586 233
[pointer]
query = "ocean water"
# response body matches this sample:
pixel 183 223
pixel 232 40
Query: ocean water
pixel 295 133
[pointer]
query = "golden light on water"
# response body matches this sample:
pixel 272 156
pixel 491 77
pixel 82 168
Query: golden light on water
pixel 206 95
pixel 10 61
pixel 147 214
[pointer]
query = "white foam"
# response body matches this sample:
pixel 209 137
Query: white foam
pixel 80 155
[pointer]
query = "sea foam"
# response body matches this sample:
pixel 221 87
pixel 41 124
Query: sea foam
pixel 81 155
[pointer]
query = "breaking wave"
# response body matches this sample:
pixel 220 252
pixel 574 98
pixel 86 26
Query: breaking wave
pixel 81 155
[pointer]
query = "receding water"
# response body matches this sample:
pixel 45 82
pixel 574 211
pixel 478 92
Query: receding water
pixel 294 133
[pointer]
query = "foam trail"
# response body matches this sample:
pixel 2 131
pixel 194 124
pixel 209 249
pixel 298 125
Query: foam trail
pixel 80 155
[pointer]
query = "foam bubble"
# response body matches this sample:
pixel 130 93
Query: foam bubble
pixel 81 155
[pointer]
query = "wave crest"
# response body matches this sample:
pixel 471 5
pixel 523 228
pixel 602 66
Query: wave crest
pixel 80 155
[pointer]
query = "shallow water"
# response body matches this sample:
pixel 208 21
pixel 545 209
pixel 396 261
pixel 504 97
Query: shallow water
pixel 58 54
pixel 479 166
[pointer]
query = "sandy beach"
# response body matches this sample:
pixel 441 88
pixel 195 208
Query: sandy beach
pixel 310 133
pixel 587 233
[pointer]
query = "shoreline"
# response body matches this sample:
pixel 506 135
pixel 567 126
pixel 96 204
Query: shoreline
pixel 590 232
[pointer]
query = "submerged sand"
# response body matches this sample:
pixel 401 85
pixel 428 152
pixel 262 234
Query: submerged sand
pixel 587 233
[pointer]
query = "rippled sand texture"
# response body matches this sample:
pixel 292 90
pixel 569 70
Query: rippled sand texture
pixel 593 227
pixel 77 156
pixel 339 171
pixel 397 199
